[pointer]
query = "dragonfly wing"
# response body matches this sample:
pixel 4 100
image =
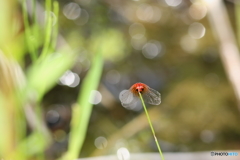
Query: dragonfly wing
pixel 152 97
pixel 128 99
pixel 126 96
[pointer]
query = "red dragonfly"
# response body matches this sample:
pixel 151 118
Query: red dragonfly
pixel 129 98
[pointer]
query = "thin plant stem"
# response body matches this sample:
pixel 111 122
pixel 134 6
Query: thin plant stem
pixel 150 123
pixel 48 30
pixel 55 26
pixel 28 31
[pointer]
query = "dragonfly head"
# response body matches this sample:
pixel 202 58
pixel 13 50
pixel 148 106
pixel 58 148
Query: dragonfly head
pixel 140 89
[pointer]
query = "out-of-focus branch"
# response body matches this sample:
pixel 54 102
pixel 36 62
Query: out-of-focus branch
pixel 237 15
pixel 129 130
pixel 229 52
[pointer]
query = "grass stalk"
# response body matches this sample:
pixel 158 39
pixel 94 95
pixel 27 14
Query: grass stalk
pixel 150 123
pixel 55 26
pixel 82 111
pixel 28 33
pixel 48 30
pixel 35 30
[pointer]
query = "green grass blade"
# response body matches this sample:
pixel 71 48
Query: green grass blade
pixel 55 27
pixel 48 30
pixel 82 111
pixel 28 34
pixel 36 42
pixel 25 149
pixel 150 123
pixel 43 75
pixel 5 128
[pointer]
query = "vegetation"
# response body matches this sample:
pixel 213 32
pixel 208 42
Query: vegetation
pixel 59 59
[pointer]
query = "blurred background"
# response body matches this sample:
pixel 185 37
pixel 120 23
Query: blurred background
pixel 173 46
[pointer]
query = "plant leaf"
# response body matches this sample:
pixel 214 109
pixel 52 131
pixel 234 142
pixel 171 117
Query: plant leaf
pixel 43 75
pixel 82 111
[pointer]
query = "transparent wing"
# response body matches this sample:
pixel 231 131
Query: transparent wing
pixel 152 97
pixel 126 96
pixel 128 99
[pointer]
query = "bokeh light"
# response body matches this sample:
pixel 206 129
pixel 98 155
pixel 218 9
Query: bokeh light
pixel 95 97
pixel 148 13
pixel 196 30
pixel 72 11
pixel 138 43
pixel 137 30
pixel 152 49
pixel 52 116
pixel 86 64
pixel 113 77
pixel 207 136
pixel 197 11
pixel 83 18
pixel 70 79
pixel 188 44
pixel 52 15
pixel 123 154
pixel 173 3
pixel 100 142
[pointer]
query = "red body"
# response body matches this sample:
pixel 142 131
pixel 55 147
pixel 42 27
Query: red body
pixel 139 87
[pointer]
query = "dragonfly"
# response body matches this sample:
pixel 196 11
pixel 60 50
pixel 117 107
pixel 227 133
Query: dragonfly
pixel 129 98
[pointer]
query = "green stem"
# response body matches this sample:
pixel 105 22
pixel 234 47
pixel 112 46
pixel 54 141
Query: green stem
pixel 48 29
pixel 150 123
pixel 55 27
pixel 28 31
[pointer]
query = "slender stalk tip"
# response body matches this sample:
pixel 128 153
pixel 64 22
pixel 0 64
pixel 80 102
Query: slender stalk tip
pixel 150 123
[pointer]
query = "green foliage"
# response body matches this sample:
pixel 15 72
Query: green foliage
pixel 197 95
pixel 22 90
pixel 82 110
pixel 112 44
pixel 43 75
